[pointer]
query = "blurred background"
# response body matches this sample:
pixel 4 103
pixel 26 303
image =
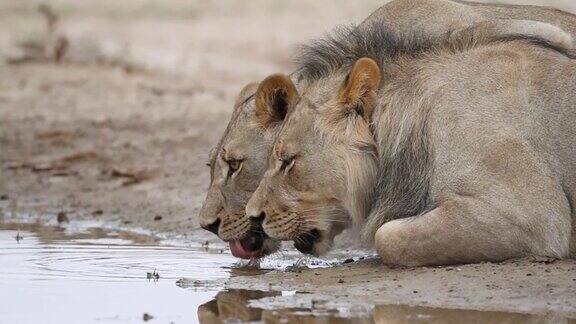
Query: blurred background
pixel 109 108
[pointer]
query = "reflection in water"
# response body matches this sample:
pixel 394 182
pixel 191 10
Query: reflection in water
pixel 240 271
pixel 305 316
pixel 408 314
pixel 75 232
pixel 232 305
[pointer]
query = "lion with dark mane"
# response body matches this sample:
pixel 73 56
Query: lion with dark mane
pixel 455 151
pixel 238 161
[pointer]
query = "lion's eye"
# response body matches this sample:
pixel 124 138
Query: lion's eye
pixel 286 163
pixel 234 165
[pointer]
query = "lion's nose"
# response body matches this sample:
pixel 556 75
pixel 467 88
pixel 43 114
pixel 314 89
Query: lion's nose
pixel 258 220
pixel 253 212
pixel 213 227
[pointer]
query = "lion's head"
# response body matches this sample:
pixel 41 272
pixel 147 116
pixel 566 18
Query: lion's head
pixel 237 165
pixel 322 162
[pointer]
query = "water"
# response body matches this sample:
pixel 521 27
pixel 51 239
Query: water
pixel 51 274
pixel 84 274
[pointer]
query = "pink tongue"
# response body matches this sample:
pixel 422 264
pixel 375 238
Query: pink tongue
pixel 240 252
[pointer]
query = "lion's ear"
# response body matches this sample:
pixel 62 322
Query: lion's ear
pixel 359 91
pixel 275 96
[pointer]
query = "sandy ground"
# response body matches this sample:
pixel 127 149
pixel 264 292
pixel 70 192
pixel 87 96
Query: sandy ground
pixel 120 129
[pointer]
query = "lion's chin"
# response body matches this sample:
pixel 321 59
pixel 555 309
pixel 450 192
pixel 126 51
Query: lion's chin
pixel 317 242
pixel 305 242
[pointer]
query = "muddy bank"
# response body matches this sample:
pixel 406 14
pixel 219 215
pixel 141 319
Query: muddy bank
pixel 98 143
pixel 537 286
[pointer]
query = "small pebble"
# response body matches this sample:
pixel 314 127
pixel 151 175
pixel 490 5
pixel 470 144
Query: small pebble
pixel 153 275
pixel 62 217
pixel 146 317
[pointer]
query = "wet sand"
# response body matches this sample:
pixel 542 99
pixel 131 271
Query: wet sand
pixel 120 130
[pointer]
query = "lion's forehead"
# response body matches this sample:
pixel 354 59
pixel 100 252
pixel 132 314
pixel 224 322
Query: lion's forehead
pixel 288 130
pixel 245 133
pixel 322 91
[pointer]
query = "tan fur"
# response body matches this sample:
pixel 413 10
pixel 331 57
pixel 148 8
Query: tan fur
pixel 437 17
pixel 481 129
pixel 226 200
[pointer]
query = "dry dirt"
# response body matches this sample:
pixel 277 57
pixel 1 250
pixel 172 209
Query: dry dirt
pixel 119 129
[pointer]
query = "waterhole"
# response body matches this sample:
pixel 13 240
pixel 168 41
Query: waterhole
pixel 77 273
pixel 52 274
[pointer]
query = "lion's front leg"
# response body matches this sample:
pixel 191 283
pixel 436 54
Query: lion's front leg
pixel 465 230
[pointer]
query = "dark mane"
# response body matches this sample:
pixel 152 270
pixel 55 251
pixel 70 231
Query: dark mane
pixel 339 49
pixel 343 46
